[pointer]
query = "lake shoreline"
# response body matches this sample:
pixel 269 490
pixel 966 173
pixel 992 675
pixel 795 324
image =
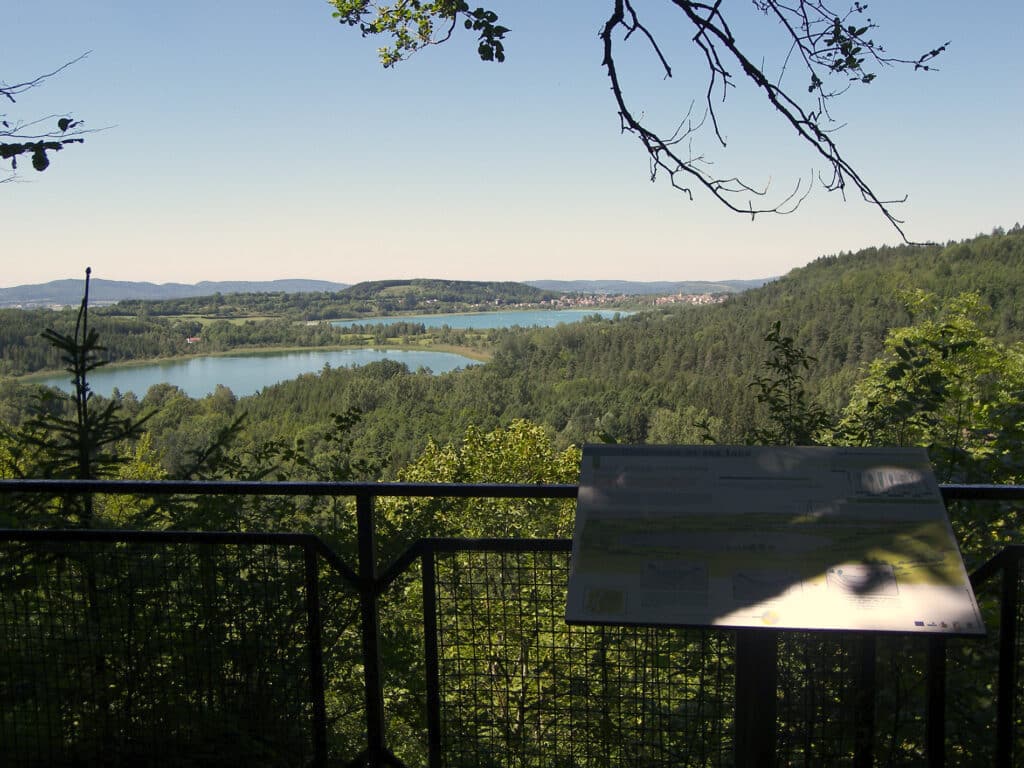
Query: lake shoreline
pixel 534 319
pixel 469 352
pixel 488 320
pixel 247 369
pixel 416 315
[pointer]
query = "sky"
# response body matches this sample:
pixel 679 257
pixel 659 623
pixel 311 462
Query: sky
pixel 262 140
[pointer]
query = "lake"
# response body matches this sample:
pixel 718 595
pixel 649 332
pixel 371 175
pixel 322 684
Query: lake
pixel 524 318
pixel 248 374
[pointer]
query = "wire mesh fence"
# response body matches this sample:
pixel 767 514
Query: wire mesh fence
pixel 519 687
pixel 179 652
pixel 1017 658
pixel 817 681
pixel 850 700
pixel 187 649
pixel 985 710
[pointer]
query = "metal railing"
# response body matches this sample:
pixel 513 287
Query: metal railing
pixel 1009 695
pixel 174 646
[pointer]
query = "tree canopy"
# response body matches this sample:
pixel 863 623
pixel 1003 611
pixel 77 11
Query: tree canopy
pixel 825 49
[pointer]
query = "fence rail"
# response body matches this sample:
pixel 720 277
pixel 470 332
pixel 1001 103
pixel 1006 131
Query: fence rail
pixel 175 647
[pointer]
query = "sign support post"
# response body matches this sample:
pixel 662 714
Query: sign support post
pixel 757 664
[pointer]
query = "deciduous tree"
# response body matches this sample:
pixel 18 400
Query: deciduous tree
pixel 945 383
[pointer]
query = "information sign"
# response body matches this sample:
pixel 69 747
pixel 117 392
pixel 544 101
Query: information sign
pixel 773 537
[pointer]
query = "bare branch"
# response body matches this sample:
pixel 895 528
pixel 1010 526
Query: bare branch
pixel 30 138
pixel 822 41
pixel 15 89
pixel 834 51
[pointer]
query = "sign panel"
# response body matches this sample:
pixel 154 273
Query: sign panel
pixel 773 537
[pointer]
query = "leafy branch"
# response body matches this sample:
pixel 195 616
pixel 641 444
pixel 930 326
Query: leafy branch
pixel 413 25
pixel 793 418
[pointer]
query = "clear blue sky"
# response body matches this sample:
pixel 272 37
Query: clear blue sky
pixel 261 140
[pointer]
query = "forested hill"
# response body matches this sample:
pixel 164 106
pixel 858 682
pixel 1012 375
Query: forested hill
pixel 380 297
pixel 69 292
pixel 412 294
pixel 652 376
pixel 838 308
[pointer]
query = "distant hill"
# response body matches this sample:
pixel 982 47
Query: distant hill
pixel 650 376
pixel 469 291
pixel 380 297
pixel 632 287
pixel 65 292
pixel 69 292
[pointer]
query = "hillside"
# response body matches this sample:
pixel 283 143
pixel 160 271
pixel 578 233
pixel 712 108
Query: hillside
pixel 838 308
pixel 413 294
pixel 651 376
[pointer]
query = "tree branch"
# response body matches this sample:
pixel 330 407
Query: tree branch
pixel 25 138
pixel 834 50
pixel 826 45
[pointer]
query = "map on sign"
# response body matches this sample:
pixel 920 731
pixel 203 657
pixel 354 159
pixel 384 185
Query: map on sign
pixel 785 538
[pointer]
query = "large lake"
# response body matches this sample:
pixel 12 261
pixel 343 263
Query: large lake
pixel 524 318
pixel 248 374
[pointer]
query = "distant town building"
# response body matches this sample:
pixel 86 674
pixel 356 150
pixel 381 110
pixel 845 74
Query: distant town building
pixel 570 301
pixel 692 298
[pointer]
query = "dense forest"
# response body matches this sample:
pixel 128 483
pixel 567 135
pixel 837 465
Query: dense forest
pixel 654 375
pixel 23 349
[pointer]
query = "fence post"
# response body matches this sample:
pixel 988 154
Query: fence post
pixel 316 655
pixel 367 541
pixel 431 652
pixel 1007 663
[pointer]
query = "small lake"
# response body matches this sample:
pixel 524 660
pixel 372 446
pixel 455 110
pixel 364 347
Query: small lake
pixel 248 374
pixel 524 318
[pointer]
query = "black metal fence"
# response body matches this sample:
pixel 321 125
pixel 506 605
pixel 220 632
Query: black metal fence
pixel 192 649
